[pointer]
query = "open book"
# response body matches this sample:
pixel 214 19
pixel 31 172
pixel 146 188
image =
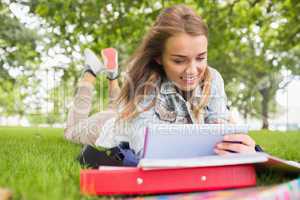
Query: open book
pixel 191 145
pixel 165 141
pixel 261 161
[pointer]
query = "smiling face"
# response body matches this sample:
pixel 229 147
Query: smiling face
pixel 184 60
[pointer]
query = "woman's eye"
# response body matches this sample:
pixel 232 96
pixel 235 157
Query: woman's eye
pixel 178 61
pixel 200 59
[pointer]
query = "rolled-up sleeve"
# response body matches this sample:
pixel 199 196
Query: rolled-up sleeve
pixel 116 130
pixel 217 111
pixel 112 133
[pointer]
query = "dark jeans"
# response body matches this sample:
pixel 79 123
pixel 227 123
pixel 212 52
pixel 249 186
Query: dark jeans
pixel 121 155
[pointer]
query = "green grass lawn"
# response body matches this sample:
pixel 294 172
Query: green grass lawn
pixel 37 163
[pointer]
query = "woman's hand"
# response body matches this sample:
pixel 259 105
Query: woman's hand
pixel 239 143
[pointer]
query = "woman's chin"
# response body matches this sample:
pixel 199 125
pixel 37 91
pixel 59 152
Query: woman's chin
pixel 186 87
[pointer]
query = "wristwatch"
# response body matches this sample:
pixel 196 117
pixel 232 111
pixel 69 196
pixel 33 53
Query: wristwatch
pixel 258 148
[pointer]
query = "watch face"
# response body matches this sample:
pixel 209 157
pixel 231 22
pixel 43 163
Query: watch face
pixel 258 148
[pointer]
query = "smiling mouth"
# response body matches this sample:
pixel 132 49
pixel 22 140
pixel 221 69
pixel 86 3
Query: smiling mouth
pixel 188 78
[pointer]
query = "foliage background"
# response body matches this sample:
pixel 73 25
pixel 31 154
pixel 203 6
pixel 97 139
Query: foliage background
pixel 254 44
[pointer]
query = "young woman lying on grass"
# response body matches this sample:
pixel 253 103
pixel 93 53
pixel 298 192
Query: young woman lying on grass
pixel 168 81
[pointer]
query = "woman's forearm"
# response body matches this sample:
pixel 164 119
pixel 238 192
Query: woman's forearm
pixel 79 111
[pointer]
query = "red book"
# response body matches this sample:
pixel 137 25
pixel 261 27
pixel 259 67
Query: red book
pixel 134 180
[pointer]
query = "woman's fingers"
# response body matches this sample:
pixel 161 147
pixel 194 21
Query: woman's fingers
pixel 243 138
pixel 234 147
pixel 240 143
pixel 221 152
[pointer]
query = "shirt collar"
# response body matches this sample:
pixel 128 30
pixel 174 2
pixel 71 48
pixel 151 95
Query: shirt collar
pixel 167 87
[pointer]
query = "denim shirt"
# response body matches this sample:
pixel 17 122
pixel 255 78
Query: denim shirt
pixel 170 107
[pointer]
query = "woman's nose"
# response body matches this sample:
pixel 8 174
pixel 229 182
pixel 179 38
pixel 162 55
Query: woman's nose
pixel 193 67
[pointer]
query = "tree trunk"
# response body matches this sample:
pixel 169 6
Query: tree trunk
pixel 265 107
pixel 245 115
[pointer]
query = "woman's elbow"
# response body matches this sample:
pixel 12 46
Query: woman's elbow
pixel 71 135
pixel 68 135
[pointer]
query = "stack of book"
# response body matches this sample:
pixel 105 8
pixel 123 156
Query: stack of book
pixel 181 159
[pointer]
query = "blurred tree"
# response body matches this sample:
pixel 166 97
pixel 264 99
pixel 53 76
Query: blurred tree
pixel 251 47
pixel 17 54
pixel 76 25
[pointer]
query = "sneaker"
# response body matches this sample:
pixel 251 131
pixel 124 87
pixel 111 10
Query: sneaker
pixel 92 62
pixel 110 57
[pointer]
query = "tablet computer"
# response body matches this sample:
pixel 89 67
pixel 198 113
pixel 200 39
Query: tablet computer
pixel 169 141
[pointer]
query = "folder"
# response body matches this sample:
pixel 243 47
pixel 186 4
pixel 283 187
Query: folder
pixel 134 180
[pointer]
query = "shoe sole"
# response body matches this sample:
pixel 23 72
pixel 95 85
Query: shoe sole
pixel 110 56
pixel 93 60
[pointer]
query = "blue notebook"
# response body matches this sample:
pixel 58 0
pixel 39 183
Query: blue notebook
pixel 172 141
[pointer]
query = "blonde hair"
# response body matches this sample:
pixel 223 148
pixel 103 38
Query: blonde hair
pixel 144 72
